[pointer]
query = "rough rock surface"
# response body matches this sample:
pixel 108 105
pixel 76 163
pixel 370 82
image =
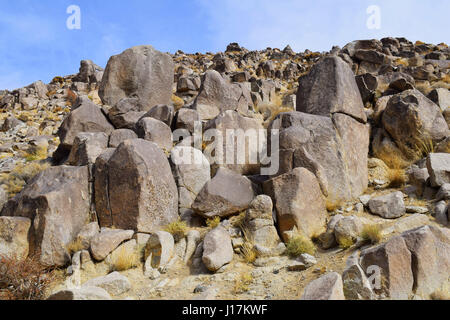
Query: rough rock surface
pixel 217 249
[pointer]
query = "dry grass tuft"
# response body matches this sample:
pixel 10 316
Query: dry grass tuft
pixel 178 229
pixel 75 246
pixel 21 175
pixel 333 205
pixel 346 242
pixel 243 282
pixel 299 245
pixel 213 222
pixel 397 178
pixel 372 233
pixel 24 280
pixel 442 294
pixel 124 259
pixel 177 102
pixel 248 248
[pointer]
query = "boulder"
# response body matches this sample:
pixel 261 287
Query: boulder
pixel 438 165
pixel 390 206
pixel 327 287
pixel 80 294
pixel 330 88
pixel 89 72
pixel 186 119
pixel 141 72
pixel 193 239
pixel 348 228
pixel 87 146
pixel 107 240
pixel 191 171
pixel 411 120
pixel 260 225
pixel 155 131
pixel 86 234
pixel 114 283
pixel 120 135
pixel 58 202
pixel 159 250
pixel 217 249
pixel 356 284
pixel 298 202
pixel 216 95
pixel 163 113
pixel 85 117
pixel 224 195
pixel 237 141
pixel 138 190
pixel 441 97
pixel 394 262
pixel 126 113
pixel 14 232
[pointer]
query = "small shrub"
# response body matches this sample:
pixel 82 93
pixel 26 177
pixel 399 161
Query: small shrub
pixel 333 205
pixel 213 222
pixel 243 282
pixel 177 102
pixel 75 246
pixel 442 294
pixel 372 233
pixel 58 79
pixel 299 245
pixel 24 279
pixel 397 178
pixel 346 242
pixel 178 229
pixel 124 259
pixel 21 175
pixel 248 248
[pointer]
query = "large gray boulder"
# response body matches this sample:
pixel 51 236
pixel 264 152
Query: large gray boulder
pixel 224 195
pixel 412 120
pixel 334 148
pixel 217 249
pixel 58 202
pixel 298 202
pixel 139 188
pixel 141 72
pixel 438 165
pixel 126 113
pixel 87 146
pixel 330 88
pixel 120 135
pixel 327 287
pixel 156 131
pixel 389 206
pixel 217 95
pixel 14 233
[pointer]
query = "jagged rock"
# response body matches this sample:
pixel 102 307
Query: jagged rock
pixel 438 165
pixel 244 161
pixel 191 172
pixel 406 223
pixel 58 196
pixel 410 119
pixel 156 131
pixel 120 135
pixel 217 249
pixel 87 146
pixel 141 72
pixel 163 113
pixel 330 88
pixel 139 189
pixel 328 287
pixel 87 233
pixel 328 239
pixel 85 117
pixel 298 202
pixel 159 250
pixel 226 194
pixel 89 72
pixel 114 283
pixel 348 228
pixel 186 118
pixel 193 239
pixel 260 224
pixel 313 142
pixel 216 96
pixel 394 260
pixel 126 113
pixel 83 293
pixel 101 188
pixel 356 284
pixel 107 240
pixel 14 237
pixel 441 97
pixel 390 206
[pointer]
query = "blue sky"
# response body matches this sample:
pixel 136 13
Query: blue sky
pixel 35 43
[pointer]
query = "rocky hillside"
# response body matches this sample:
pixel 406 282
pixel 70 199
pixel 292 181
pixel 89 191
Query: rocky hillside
pixel 133 181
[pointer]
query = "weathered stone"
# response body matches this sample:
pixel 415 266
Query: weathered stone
pixel 114 283
pixel 58 196
pixel 14 237
pixel 390 206
pixel 348 228
pixel 107 240
pixel 410 119
pixel 87 146
pixel 159 250
pixel 217 249
pixel 141 72
pixel 356 284
pixel 163 113
pixel 298 202
pixel 120 135
pixel 330 88
pixel 191 172
pixel 226 194
pixel 186 118
pixel 86 234
pixel 3 198
pixel 438 165
pixel 193 239
pixel 83 293
pixel 328 239
pixel 126 113
pixel 141 193
pixel 441 97
pixel 101 188
pixel 89 72
pixel 394 260
pixel 156 131
pixel 328 287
